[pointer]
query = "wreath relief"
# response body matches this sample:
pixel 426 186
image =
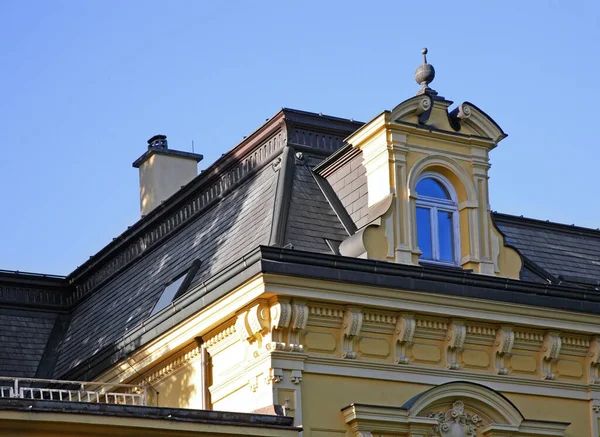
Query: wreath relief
pixel 456 423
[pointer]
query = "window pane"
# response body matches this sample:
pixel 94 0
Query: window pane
pixel 432 188
pixel 168 294
pixel 445 236
pixel 424 232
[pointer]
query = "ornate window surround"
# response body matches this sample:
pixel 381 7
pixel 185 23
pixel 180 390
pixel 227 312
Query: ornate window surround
pixel 435 204
pixel 455 409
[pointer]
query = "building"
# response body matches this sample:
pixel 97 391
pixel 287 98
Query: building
pixel 348 275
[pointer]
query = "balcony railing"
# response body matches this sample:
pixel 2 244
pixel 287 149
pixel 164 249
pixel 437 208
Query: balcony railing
pixel 72 391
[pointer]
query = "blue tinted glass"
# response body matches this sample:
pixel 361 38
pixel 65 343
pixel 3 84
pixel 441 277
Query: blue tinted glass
pixel 445 236
pixel 167 295
pixel 424 232
pixel 431 188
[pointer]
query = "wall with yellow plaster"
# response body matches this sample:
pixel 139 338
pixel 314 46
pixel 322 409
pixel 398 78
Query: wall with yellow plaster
pixel 421 135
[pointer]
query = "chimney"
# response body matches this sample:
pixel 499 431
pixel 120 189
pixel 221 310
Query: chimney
pixel 163 171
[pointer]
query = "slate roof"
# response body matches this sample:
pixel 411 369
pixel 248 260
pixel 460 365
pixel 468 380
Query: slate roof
pixel 553 251
pixel 241 220
pixel 234 226
pixel 23 338
pixel 248 198
pixel 311 219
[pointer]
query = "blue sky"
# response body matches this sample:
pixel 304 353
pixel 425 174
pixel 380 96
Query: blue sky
pixel 84 84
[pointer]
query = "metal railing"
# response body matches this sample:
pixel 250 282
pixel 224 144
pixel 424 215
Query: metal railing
pixel 72 391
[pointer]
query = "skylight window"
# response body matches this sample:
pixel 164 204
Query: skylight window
pixel 176 288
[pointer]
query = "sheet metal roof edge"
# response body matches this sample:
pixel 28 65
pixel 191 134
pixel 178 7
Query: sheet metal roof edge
pixel 171 414
pixel 220 165
pixel 545 224
pixel 266 259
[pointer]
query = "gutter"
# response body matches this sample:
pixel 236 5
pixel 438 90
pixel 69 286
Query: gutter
pixel 265 259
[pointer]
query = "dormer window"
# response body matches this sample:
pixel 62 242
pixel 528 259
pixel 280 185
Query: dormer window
pixel 437 220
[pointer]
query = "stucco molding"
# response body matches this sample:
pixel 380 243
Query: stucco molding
pixel 288 322
pixel 550 352
pixel 456 421
pixel 470 115
pixel 352 324
pixel 475 410
pixel 436 159
pixel 593 360
pixel 174 364
pixel 275 376
pixel 503 345
pixel 403 337
pixel 455 340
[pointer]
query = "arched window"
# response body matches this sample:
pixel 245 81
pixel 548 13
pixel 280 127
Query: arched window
pixel 437 219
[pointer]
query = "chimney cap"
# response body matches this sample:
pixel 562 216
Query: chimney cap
pixel 159 141
pixel 158 145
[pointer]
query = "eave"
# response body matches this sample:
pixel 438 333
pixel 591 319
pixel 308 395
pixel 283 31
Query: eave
pixel 546 305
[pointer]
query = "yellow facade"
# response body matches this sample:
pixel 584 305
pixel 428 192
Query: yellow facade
pixel 344 358
pixel 349 359
pixel 315 347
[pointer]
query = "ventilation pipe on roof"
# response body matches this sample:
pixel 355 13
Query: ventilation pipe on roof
pixel 163 172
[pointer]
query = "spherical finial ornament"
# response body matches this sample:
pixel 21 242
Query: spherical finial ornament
pixel 425 72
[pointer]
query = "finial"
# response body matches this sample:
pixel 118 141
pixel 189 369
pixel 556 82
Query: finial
pixel 425 74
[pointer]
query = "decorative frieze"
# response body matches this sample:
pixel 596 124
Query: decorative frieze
pixel 403 337
pixel 484 331
pixel 326 312
pixel 505 340
pixel 379 318
pixel 437 325
pixel 550 352
pixel 174 364
pixel 455 340
pixel 34 296
pixel 220 336
pixel 528 336
pixel 353 319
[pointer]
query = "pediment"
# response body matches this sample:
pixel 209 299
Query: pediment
pixel 432 112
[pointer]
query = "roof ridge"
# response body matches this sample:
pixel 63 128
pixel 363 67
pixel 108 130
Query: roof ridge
pixel 320 114
pixel 574 229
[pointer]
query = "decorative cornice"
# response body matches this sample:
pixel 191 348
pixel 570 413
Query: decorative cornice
pixel 436 375
pixel 532 337
pixel 220 336
pixel 174 364
pixel 34 297
pixel 437 325
pixel 484 331
pixel 319 311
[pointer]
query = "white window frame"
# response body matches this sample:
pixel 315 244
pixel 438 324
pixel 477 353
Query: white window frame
pixel 434 204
